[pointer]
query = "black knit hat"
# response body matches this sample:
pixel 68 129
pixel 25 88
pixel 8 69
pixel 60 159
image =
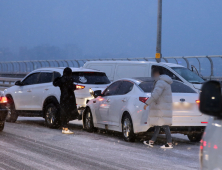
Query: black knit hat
pixel 67 71
pixel 157 70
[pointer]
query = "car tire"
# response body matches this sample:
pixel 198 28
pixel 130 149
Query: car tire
pixel 2 126
pixel 88 121
pixel 127 128
pixel 51 112
pixel 196 137
pixel 12 115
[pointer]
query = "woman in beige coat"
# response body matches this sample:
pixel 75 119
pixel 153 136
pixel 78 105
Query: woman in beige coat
pixel 160 107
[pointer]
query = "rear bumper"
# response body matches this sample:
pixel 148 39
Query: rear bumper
pixel 190 121
pixel 81 102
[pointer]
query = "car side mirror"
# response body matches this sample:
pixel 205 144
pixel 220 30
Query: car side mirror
pixel 97 93
pixel 211 99
pixel 18 83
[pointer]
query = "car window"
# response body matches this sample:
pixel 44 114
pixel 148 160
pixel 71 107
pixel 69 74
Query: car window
pixel 56 74
pixel 188 75
pixel 125 88
pixel 178 87
pixel 45 78
pixel 31 79
pixel 90 78
pixel 168 72
pixel 146 86
pixel 112 89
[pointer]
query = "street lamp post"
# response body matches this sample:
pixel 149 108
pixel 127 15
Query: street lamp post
pixel 159 32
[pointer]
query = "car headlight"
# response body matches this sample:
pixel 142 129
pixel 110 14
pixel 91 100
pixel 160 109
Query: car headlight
pixel 91 92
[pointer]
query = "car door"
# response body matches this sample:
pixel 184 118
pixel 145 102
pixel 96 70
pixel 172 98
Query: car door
pixel 107 100
pixel 42 89
pixel 119 102
pixel 24 96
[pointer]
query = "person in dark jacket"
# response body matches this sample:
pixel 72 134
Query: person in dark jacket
pixel 67 99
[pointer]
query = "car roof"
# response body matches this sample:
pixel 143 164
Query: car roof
pixel 144 79
pixel 60 69
pixel 136 62
pixel 139 80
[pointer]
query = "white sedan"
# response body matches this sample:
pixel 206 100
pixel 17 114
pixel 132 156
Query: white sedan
pixel 120 108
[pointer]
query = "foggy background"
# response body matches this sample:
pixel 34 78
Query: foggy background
pixel 76 29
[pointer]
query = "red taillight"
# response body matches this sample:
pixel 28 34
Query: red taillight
pixel 80 87
pixel 3 100
pixel 198 101
pixel 204 122
pixel 215 147
pixel 143 99
pixel 204 143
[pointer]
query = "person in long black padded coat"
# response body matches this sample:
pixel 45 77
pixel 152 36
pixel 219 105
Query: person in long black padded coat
pixel 67 99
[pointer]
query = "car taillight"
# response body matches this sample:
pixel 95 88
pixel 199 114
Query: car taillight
pixel 204 122
pixel 80 87
pixel 215 147
pixel 143 99
pixel 198 101
pixel 3 100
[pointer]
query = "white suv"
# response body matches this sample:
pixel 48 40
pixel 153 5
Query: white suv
pixel 35 95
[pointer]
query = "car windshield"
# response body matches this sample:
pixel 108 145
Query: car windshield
pixel 90 78
pixel 188 75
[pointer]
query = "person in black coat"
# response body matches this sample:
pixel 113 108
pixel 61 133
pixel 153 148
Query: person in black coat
pixel 67 99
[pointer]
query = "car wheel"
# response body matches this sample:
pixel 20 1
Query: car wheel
pixel 195 137
pixel 51 115
pixel 12 116
pixel 88 121
pixel 2 126
pixel 127 129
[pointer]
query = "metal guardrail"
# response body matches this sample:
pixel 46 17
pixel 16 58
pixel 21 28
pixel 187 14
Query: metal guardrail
pixel 27 66
pixel 21 68
pixel 7 81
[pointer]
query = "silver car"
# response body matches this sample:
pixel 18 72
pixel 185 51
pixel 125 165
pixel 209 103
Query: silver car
pixel 211 143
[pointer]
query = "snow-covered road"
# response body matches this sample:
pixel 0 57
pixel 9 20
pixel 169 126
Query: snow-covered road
pixel 28 144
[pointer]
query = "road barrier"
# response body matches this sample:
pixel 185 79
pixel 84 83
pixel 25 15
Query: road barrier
pixel 15 70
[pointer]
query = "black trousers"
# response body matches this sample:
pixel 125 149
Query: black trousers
pixel 64 118
pixel 68 114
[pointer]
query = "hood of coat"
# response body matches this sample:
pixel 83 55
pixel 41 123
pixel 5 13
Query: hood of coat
pixel 165 78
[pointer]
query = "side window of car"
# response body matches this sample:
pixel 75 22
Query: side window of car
pixel 112 89
pixel 56 74
pixel 178 87
pixel 45 77
pixel 31 79
pixel 125 87
pixel 168 72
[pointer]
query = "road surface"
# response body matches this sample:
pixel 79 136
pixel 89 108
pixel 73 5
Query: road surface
pixel 28 145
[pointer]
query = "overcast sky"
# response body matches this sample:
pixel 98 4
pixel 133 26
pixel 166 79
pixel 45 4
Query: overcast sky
pixel 114 27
